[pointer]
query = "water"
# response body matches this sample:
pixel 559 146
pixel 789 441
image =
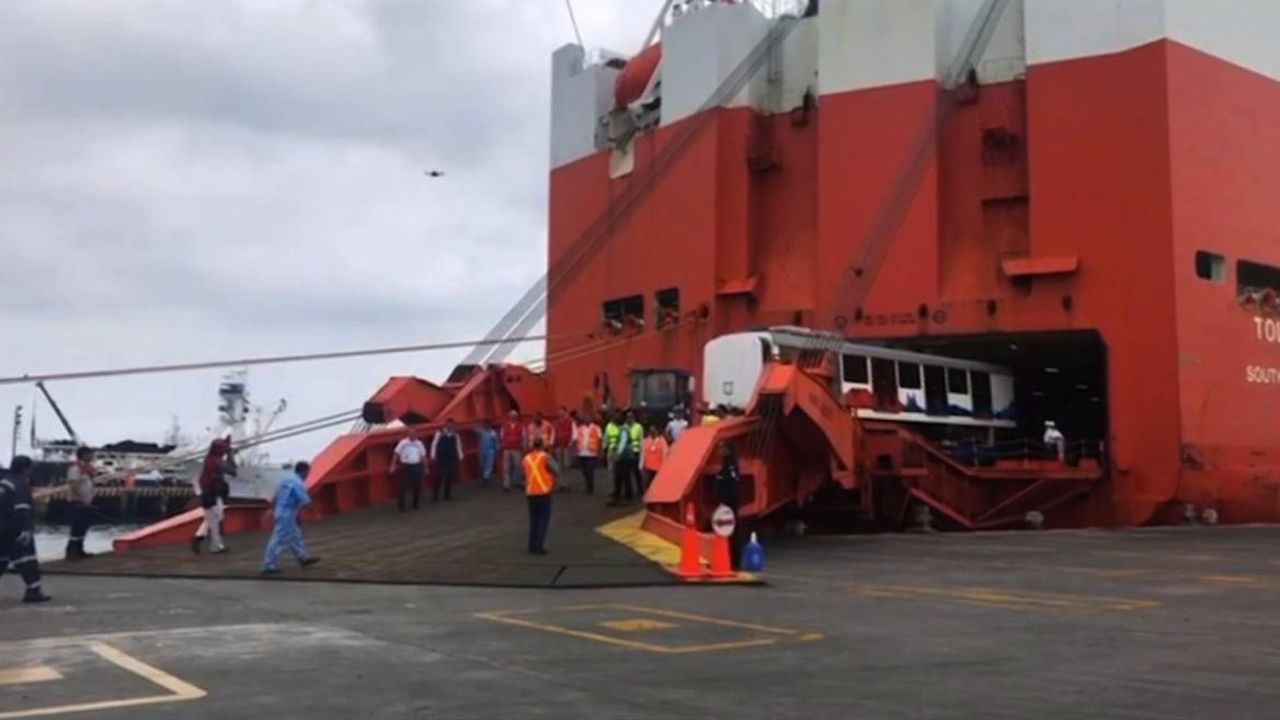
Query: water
pixel 51 541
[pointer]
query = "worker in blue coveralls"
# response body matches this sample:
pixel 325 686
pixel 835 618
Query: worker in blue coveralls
pixel 488 436
pixel 291 497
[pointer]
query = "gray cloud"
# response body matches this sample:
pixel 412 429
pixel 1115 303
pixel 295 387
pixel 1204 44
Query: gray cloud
pixel 193 180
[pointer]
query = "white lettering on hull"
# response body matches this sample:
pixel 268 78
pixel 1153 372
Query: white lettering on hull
pixel 1262 375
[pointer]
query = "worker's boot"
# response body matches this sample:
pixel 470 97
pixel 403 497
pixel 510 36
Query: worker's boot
pixel 35 595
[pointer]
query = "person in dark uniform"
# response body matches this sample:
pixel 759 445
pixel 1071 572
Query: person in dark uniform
pixel 446 453
pixel 726 487
pixel 17 542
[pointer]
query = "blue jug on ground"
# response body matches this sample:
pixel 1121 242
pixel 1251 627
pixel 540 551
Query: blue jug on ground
pixel 752 555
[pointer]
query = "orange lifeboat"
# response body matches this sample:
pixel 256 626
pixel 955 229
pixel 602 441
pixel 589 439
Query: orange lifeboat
pixel 635 77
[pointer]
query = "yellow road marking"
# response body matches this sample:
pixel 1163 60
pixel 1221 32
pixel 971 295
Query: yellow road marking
pixel 636 625
pixel 997 597
pixel 711 620
pixel 778 634
pixel 22 676
pixel 179 690
pixel 1233 579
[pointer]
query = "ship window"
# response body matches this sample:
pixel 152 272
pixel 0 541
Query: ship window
pixel 909 376
pixel 668 306
pixel 1256 276
pixel 855 370
pixel 622 308
pixel 1211 266
pixel 958 381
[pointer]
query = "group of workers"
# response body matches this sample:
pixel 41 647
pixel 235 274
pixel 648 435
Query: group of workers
pixel 535 455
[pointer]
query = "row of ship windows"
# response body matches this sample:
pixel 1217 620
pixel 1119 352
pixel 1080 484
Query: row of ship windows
pixel 1212 267
pixel 666 304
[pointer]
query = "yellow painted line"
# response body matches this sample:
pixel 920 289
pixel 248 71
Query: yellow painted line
pixel 637 625
pixel 179 690
pixel 997 597
pixel 23 676
pixel 581 634
pixel 712 621
pixel 1239 580
pixel 779 634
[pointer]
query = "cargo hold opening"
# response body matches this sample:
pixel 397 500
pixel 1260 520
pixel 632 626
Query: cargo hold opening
pixel 1058 377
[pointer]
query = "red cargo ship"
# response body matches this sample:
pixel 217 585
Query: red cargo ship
pixel 1081 195
pixel 1091 202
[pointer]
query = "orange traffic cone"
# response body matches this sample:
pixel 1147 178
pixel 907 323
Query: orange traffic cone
pixel 721 566
pixel 690 560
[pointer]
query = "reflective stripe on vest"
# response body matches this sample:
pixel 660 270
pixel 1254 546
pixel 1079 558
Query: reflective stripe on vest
pixel 591 435
pixel 537 475
pixel 547 433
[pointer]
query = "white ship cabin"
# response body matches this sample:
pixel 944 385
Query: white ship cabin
pixel 877 382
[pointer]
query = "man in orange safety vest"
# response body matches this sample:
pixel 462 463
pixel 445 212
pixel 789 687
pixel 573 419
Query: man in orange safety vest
pixel 540 473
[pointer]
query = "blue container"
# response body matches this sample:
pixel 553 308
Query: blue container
pixel 752 555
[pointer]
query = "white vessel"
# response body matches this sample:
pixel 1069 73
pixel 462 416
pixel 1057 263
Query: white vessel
pixel 242 421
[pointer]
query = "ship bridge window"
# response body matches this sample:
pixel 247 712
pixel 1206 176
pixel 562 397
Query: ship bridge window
pixel 855 370
pixel 1256 276
pixel 909 376
pixel 617 312
pixel 957 381
pixel 1211 266
pixel 667 303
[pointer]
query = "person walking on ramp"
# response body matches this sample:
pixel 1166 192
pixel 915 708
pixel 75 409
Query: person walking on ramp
pixel 291 497
pixel 540 473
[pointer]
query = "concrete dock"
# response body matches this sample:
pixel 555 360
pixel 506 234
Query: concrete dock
pixel 1157 623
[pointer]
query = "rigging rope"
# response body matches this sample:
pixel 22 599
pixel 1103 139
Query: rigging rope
pixel 269 360
pixel 569 4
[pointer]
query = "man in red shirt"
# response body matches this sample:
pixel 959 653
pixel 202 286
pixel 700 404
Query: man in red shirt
pixel 562 429
pixel 511 441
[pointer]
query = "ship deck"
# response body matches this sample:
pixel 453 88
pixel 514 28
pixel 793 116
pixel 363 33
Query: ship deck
pixel 478 539
pixel 1159 623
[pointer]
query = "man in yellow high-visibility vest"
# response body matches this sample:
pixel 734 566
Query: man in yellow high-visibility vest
pixel 540 473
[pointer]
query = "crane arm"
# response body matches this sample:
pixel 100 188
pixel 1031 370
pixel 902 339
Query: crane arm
pixel 58 411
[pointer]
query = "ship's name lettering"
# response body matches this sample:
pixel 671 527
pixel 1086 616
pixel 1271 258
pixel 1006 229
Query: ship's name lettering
pixel 1268 330
pixel 1262 375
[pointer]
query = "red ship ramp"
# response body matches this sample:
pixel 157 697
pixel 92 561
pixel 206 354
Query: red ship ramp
pixel 353 472
pixel 796 439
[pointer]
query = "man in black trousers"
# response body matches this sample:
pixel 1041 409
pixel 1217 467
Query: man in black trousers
pixel 446 453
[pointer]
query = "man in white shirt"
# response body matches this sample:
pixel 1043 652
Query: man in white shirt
pixel 409 465
pixel 1054 439
pixel 678 424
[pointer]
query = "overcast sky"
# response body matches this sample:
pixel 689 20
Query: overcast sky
pixel 184 180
